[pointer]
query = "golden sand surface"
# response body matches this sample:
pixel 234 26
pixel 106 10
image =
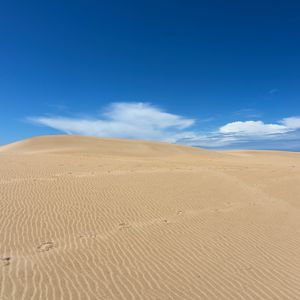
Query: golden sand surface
pixel 90 218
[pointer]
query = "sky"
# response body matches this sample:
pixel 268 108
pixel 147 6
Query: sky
pixel 212 74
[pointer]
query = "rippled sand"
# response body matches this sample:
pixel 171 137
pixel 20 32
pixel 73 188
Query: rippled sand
pixel 89 218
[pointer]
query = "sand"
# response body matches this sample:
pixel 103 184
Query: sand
pixel 89 218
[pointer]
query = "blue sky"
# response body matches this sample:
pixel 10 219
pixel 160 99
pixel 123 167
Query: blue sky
pixel 215 74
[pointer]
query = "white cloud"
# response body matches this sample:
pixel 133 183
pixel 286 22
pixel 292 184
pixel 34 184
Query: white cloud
pixel 145 114
pixel 127 120
pixel 292 122
pixel 253 128
pixel 147 122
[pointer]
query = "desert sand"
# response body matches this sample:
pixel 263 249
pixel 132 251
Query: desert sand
pixel 90 218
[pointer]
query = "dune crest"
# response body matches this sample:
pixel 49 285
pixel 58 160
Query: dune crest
pixel 94 145
pixel 91 218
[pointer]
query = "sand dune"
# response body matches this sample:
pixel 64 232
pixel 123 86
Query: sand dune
pixel 89 218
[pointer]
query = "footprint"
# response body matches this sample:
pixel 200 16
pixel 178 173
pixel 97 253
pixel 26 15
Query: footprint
pixel 93 236
pixel 124 225
pixel 45 246
pixel 5 261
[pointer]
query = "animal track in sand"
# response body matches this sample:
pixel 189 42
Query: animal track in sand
pixel 45 246
pixel 5 261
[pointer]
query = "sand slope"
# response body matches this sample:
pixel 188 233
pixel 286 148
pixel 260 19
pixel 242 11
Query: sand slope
pixel 89 218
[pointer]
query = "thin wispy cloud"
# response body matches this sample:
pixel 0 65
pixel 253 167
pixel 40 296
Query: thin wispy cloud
pixel 273 91
pixel 247 113
pixel 148 122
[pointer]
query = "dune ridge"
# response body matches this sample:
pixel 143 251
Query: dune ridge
pixel 94 145
pixel 91 218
